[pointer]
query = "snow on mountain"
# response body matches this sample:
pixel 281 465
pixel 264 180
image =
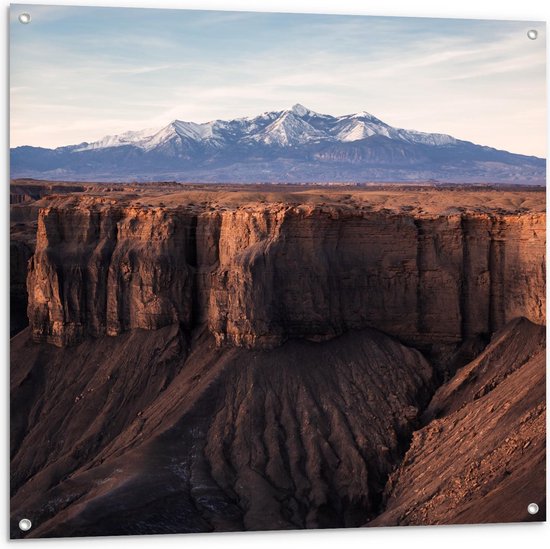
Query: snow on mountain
pixel 300 110
pixel 291 145
pixel 360 126
pixel 289 129
pixel 363 124
pixel 292 127
pixel 128 138
pixel 436 139
pixel 158 138
pixel 354 131
pixel 150 139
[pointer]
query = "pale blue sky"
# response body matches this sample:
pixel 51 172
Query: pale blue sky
pixel 78 74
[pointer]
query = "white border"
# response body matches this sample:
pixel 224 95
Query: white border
pixel 532 536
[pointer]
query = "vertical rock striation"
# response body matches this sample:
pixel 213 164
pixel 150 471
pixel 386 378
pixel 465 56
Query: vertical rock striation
pixel 257 276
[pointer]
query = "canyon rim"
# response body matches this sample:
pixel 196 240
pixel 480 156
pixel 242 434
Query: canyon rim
pixel 271 317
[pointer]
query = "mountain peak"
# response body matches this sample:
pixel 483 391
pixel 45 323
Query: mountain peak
pixel 288 128
pixel 364 114
pixel 300 110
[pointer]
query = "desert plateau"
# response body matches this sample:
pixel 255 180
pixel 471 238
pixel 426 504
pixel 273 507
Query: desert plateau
pixel 219 357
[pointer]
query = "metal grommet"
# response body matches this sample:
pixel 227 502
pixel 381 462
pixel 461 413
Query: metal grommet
pixel 25 525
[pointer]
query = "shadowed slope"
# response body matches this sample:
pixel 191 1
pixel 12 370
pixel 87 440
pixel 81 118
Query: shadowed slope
pixel 301 436
pixel 483 458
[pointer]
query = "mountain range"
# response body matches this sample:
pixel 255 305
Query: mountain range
pixel 293 145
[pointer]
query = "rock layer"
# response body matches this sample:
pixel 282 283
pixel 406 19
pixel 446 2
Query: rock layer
pixel 260 275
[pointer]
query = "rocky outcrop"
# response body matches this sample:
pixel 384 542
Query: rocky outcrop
pixel 27 197
pixel 481 457
pixel 222 438
pixel 258 275
pixel 109 271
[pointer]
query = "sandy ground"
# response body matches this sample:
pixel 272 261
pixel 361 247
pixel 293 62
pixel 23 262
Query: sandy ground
pixel 424 199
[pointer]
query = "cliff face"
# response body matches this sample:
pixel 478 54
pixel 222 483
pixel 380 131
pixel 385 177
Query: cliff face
pixel 20 254
pixel 259 275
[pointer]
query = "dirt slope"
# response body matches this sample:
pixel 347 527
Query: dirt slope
pixel 301 436
pixel 483 458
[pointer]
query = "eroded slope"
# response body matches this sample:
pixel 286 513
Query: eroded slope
pixel 483 458
pixel 301 436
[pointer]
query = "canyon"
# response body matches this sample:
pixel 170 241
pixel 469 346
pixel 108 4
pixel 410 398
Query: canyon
pixel 203 357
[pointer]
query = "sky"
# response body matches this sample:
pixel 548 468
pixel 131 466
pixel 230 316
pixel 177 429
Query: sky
pixel 80 73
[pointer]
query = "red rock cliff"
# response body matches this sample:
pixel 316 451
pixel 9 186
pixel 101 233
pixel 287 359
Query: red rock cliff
pixel 259 275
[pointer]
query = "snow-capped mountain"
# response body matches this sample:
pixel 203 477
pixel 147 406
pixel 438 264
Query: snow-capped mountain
pixel 291 127
pixel 295 144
